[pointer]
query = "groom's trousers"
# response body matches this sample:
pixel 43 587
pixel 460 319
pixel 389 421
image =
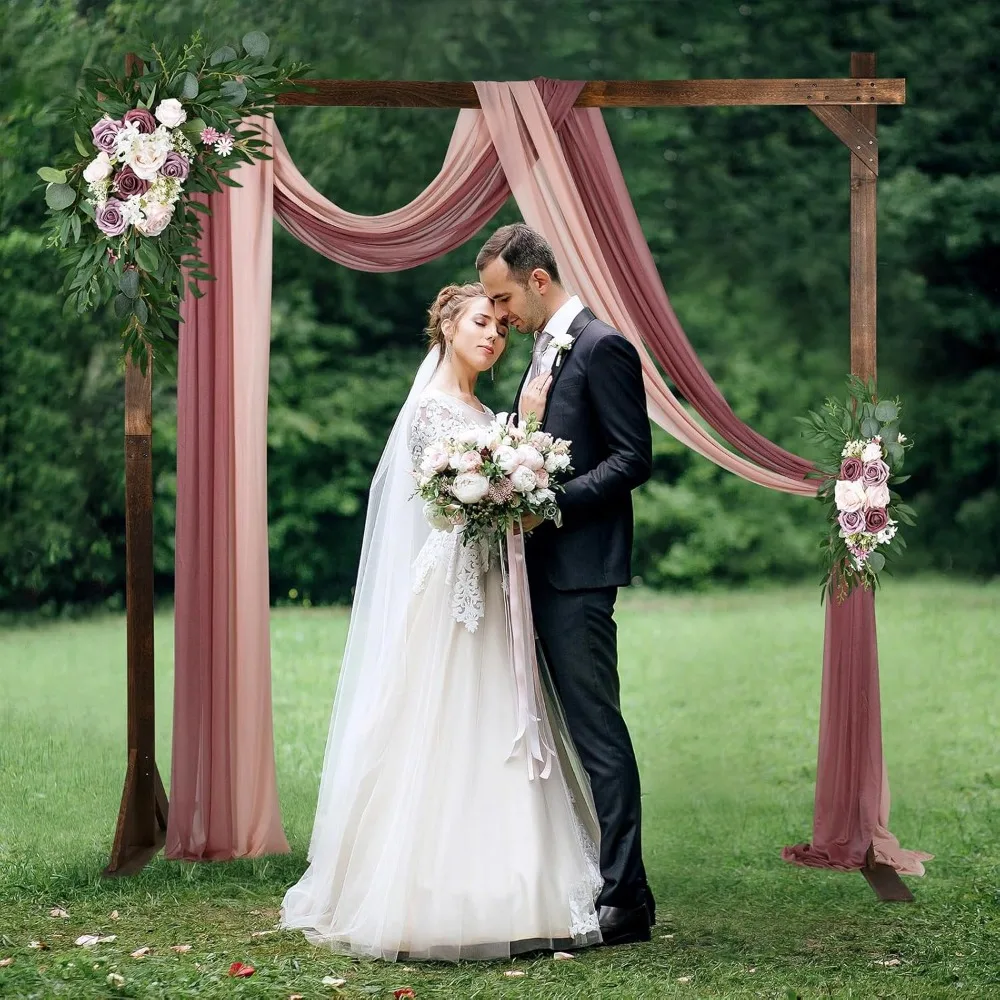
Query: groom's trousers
pixel 578 635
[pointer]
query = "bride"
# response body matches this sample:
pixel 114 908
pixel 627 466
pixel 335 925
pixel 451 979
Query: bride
pixel 442 831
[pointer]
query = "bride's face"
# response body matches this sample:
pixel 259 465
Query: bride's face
pixel 474 336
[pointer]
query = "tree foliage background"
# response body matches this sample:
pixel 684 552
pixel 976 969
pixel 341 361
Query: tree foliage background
pixel 746 210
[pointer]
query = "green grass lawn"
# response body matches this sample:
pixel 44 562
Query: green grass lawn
pixel 722 695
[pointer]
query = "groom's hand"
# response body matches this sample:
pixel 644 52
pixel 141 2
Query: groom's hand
pixel 528 523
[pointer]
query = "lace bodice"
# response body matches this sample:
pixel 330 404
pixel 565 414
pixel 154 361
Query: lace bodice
pixel 440 415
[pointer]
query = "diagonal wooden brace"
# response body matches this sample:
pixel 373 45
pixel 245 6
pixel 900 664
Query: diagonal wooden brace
pixel 839 120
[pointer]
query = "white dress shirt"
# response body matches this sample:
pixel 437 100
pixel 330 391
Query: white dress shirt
pixel 559 323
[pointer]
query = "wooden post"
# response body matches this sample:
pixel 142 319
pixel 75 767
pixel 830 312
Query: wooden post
pixel 142 816
pixel 883 879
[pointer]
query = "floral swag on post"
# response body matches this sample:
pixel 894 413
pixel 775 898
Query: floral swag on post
pixel 121 208
pixel 863 453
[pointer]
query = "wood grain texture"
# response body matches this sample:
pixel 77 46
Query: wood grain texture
pixel 863 239
pixel 846 127
pixel 607 93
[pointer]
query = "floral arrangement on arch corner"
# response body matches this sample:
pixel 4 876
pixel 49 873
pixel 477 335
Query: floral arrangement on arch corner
pixel 862 461
pixel 170 125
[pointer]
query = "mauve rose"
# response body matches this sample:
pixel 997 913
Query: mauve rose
pixel 876 519
pixel 144 121
pixel 851 469
pixel 176 166
pixel 127 182
pixel 852 521
pixel 104 134
pixel 109 218
pixel 876 473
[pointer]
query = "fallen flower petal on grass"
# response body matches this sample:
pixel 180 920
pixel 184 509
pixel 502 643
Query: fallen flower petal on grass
pixel 240 970
pixel 4 962
pixel 514 972
pixel 180 947
pixel 115 980
pixel 262 933
pixel 59 913
pixel 562 956
pixel 888 962
pixel 684 979
pixel 114 914
pixel 406 993
pixel 332 981
pixel 141 952
pixel 39 945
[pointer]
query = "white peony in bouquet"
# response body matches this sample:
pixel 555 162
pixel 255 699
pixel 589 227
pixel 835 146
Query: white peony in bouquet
pixel 484 480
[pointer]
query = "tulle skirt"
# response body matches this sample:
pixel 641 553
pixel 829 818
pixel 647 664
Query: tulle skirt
pixel 440 846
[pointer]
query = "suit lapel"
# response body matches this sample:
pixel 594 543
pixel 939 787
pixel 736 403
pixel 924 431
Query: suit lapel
pixel 580 322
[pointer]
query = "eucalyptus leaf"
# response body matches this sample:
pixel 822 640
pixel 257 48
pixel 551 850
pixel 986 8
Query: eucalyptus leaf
pixel 141 311
pixel 129 284
pixel 225 54
pixel 235 92
pixel 886 411
pixel 256 44
pixel 123 306
pixel 877 562
pixel 869 427
pixel 51 175
pixel 189 87
pixel 59 196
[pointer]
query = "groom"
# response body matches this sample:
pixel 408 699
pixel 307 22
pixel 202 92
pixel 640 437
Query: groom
pixel 587 378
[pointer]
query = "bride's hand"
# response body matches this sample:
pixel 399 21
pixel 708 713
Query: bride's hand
pixel 534 396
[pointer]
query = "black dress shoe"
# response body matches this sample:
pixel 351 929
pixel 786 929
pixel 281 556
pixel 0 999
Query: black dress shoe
pixel 650 905
pixel 624 926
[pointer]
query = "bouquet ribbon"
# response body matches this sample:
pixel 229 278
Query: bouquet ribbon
pixel 534 731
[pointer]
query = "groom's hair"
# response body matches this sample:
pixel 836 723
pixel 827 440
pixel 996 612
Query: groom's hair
pixel 521 249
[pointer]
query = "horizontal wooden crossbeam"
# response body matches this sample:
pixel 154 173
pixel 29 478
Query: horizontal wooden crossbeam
pixel 606 93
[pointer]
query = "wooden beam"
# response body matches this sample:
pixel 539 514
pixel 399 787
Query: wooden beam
pixel 846 127
pixel 142 816
pixel 607 93
pixel 863 237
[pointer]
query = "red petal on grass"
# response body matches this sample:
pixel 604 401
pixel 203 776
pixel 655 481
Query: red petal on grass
pixel 241 970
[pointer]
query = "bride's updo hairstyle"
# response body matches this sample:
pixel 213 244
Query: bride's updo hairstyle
pixel 450 301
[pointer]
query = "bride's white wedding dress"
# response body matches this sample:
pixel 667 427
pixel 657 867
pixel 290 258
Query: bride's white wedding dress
pixel 431 840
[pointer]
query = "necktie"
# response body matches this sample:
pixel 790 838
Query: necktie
pixel 538 352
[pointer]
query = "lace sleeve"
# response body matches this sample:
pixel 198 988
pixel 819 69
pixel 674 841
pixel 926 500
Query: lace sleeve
pixel 433 420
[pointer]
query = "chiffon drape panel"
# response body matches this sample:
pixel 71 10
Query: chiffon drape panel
pixel 561 167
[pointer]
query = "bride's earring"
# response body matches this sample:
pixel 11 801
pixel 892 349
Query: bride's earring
pixel 493 377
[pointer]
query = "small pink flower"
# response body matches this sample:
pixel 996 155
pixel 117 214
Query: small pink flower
pixel 209 136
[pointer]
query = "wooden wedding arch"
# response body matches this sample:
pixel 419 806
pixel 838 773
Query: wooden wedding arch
pixel 846 106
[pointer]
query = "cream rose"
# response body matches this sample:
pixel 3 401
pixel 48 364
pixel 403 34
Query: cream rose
pixel 506 458
pixel 98 169
pixel 470 487
pixel 849 495
pixel 436 458
pixel 157 218
pixel 877 496
pixel 170 112
pixel 530 457
pixel 523 479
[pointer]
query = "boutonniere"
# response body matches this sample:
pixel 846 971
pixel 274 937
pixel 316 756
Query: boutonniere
pixel 563 343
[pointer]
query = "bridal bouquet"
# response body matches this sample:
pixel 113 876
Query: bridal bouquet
pixel 865 451
pixel 484 480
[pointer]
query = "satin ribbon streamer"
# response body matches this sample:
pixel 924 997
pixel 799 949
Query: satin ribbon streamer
pixel 533 729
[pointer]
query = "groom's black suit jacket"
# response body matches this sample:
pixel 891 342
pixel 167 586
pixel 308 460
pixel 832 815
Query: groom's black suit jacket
pixel 597 401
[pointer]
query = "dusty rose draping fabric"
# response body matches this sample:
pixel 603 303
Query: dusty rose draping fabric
pixel 224 801
pixel 222 550
pixel 539 176
pixel 851 808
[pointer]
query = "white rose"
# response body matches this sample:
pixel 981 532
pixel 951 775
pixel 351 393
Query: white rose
pixel 543 496
pixel 470 436
pixel 436 518
pixel 873 450
pixel 562 341
pixel 556 463
pixel 470 487
pixel 436 457
pixel 877 496
pixel 523 479
pixel 147 153
pixel 849 495
pixel 98 169
pixel 506 458
pixel 530 457
pixel 157 219
pixel 170 112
